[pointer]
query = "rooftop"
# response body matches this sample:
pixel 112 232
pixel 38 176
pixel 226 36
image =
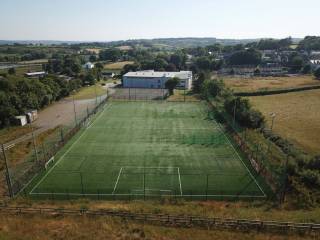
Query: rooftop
pixel 153 74
pixel 35 73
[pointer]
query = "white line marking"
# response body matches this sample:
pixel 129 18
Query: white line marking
pixel 115 185
pixel 180 181
pixel 57 162
pixel 242 161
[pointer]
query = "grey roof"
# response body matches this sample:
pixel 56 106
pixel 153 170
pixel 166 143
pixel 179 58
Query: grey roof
pixel 35 73
pixel 153 74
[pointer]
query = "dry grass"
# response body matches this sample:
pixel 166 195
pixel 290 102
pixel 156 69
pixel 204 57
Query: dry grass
pixel 88 92
pixel 124 48
pixel 82 227
pixel 117 65
pixel 181 95
pixel 20 152
pixel 94 50
pixel 34 61
pixel 240 210
pixel 253 84
pixel 11 133
pixel 297 117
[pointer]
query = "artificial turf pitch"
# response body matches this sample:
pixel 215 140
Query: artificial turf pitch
pixel 149 149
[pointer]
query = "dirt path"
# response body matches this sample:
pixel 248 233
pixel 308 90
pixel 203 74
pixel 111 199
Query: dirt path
pixel 64 112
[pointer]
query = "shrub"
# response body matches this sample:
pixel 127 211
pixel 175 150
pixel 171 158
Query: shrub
pixel 317 73
pixel 245 115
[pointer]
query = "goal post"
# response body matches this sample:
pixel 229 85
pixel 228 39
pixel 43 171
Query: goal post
pixel 49 163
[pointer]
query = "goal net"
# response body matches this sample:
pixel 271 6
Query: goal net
pixel 49 163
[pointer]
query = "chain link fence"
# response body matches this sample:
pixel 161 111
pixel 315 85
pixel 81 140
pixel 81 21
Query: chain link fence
pixel 22 161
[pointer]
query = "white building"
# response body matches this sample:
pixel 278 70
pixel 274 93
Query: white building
pixel 88 65
pixel 152 79
pixel 35 74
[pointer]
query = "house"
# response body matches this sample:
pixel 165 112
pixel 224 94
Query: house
pixel 35 74
pixel 152 79
pixel 108 74
pixel 88 66
pixel 20 120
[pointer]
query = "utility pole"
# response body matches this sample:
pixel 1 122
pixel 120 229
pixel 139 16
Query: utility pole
pixel 74 110
pixel 34 143
pixel 273 115
pixel 95 91
pixel 234 112
pixel 8 178
pixel 285 181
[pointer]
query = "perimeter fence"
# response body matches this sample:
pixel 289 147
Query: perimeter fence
pixel 208 223
pixel 270 165
pixel 22 160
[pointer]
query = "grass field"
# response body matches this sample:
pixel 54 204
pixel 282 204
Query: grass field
pixel 89 92
pixel 116 65
pixel 297 117
pixel 149 149
pixel 239 84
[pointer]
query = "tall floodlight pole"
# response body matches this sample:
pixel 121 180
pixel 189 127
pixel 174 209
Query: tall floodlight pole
pixel 234 112
pixel 74 110
pixel 95 91
pixel 34 142
pixel 8 177
pixel 273 116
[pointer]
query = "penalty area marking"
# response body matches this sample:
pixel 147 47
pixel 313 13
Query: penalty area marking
pixel 122 168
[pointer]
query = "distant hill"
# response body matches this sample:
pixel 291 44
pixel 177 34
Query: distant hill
pixel 168 42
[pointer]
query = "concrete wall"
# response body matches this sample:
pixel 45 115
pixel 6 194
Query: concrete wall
pixel 154 82
pixel 136 82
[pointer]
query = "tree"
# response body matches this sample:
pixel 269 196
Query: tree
pixel 212 88
pixel 89 79
pixel 130 68
pixel 93 58
pixel 257 72
pixel 204 63
pixel 296 63
pixel 245 57
pixel 110 54
pixel 160 64
pixel 306 69
pixel 12 71
pixel 98 67
pixel 171 84
pixel 197 84
pixel 317 73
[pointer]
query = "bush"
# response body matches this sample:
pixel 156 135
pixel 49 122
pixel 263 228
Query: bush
pixel 212 88
pixel 317 73
pixel 245 115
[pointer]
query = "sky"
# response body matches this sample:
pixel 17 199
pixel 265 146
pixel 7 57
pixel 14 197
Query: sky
pixel 108 20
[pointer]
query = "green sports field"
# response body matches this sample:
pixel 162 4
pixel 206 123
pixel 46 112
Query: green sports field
pixel 149 149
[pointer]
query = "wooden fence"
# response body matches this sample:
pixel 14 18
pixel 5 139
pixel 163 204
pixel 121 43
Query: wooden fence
pixel 178 221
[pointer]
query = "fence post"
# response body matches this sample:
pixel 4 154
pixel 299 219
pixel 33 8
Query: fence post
pixel 61 135
pixel 43 152
pixel 207 186
pixel 8 178
pixel 81 183
pixel 34 144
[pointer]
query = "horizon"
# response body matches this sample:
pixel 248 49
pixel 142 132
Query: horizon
pixel 100 21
